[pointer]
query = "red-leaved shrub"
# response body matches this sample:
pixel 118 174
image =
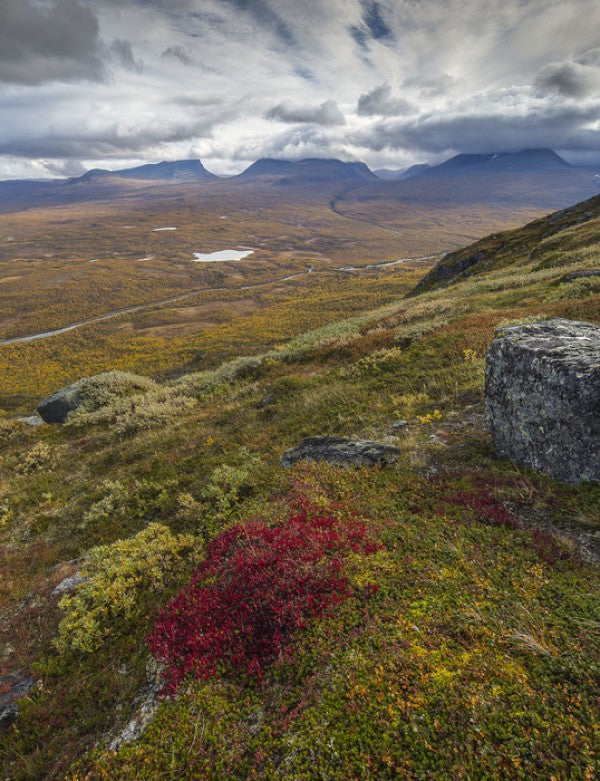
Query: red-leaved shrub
pixel 258 585
pixel 487 509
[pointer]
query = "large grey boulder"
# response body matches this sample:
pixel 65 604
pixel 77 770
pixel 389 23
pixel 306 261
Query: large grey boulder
pixel 542 395
pixel 341 452
pixel 55 408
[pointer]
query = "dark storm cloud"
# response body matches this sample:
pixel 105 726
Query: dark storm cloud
pixel 380 101
pixel 557 126
pixel 575 78
pixel 48 41
pixel 327 113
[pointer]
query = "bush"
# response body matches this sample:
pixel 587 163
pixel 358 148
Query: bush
pixel 40 456
pixel 105 389
pixel 137 412
pixel 125 506
pixel 117 575
pixel 257 587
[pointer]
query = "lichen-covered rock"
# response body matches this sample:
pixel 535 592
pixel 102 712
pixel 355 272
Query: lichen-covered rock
pixel 69 584
pixel 543 397
pixel 13 686
pixel 146 704
pixel 341 452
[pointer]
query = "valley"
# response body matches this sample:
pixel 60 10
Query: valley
pixel 116 275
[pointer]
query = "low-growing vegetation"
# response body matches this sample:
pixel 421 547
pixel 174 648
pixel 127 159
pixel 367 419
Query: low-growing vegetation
pixel 115 577
pixel 434 619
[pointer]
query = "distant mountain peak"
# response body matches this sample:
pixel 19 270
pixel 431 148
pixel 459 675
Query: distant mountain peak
pixel 523 160
pixel 167 170
pixel 310 169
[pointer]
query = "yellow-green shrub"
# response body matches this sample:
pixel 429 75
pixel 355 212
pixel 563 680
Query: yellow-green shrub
pixel 138 412
pixel 40 455
pixel 104 389
pixel 117 575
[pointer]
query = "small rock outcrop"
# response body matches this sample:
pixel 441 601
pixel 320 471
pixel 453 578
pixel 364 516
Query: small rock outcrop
pixel 450 266
pixel 55 408
pixel 543 397
pixel 68 585
pixel 341 452
pixel 146 704
pixel 13 686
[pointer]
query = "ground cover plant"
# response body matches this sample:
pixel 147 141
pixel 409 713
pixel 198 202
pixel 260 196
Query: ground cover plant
pixel 455 632
pixel 257 586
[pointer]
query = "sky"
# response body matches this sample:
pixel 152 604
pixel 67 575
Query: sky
pixel 113 83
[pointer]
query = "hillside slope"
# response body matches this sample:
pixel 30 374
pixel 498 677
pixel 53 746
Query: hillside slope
pixel 442 624
pixel 578 224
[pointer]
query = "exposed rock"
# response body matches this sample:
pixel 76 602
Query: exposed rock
pixel 13 686
pixel 264 402
pixel 93 393
pixel 341 452
pixel 55 408
pixel 543 397
pixel 581 275
pixel 68 584
pixel 31 420
pixel 146 705
pixel 449 267
pixel 399 424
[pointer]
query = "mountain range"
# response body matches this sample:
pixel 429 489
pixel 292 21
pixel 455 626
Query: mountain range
pixel 536 177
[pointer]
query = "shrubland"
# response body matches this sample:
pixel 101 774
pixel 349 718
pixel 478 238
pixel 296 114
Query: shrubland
pixel 434 619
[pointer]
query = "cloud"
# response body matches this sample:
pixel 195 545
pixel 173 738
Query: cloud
pixel 56 40
pixel 177 53
pixel 65 168
pixel 327 113
pixel 267 16
pixel 574 78
pixel 380 101
pixel 372 25
pixel 374 21
pixel 497 126
pixel 428 78
pixel 123 52
pixel 107 138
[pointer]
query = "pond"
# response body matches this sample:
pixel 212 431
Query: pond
pixel 225 254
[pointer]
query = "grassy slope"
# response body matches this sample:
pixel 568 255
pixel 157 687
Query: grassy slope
pixel 476 659
pixel 544 239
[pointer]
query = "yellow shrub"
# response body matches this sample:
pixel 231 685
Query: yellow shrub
pixel 39 456
pixel 117 575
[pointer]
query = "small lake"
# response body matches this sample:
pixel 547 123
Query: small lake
pixel 225 254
